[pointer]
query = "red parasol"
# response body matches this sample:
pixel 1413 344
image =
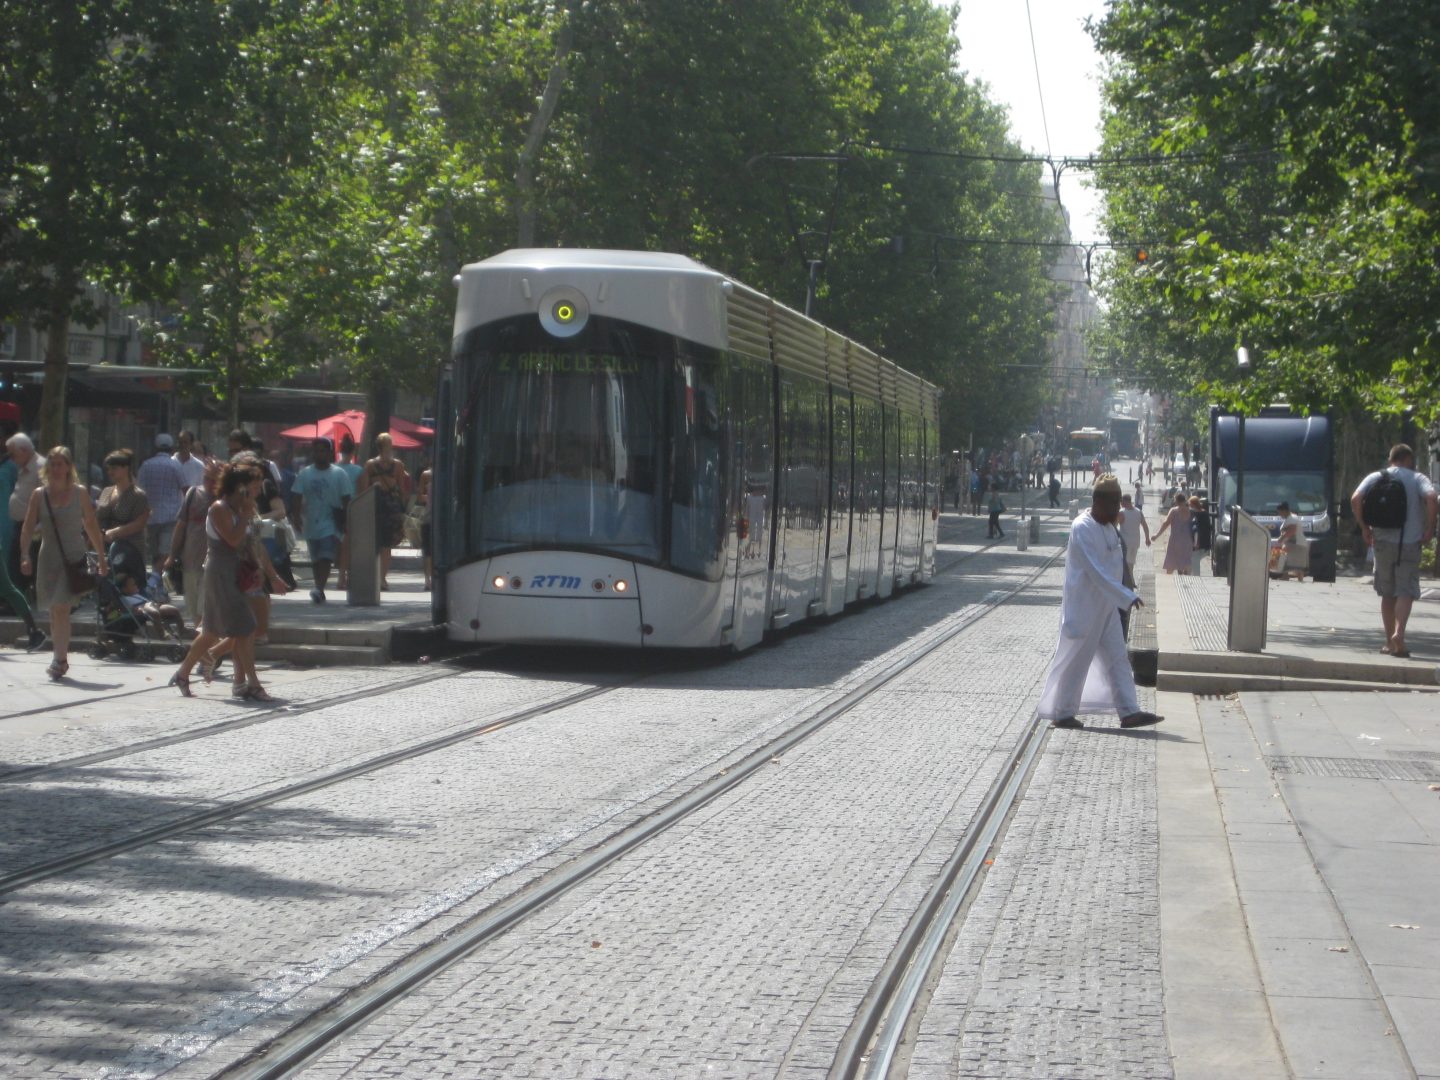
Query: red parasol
pixel 350 422
pixel 400 426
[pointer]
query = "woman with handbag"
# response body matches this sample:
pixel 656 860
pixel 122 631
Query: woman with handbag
pixel 227 611
pixel 63 512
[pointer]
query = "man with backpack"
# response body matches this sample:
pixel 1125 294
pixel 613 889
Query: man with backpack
pixel 1395 509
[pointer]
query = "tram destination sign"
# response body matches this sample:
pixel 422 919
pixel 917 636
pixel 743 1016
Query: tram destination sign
pixel 566 363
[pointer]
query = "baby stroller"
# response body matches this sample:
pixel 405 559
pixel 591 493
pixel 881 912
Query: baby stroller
pixel 130 633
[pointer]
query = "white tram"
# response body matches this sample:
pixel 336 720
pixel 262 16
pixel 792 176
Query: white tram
pixel 637 450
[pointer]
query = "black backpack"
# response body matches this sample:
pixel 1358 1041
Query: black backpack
pixel 1386 502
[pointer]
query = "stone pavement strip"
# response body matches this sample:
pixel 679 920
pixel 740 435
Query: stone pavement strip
pixel 1299 869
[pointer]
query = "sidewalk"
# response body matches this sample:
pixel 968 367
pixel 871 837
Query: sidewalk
pixel 306 634
pixel 1299 836
pixel 1320 636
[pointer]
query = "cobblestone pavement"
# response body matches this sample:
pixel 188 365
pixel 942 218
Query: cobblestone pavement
pixel 220 937
pixel 1055 970
pixel 742 941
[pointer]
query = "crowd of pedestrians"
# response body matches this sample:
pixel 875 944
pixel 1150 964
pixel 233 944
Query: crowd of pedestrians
pixel 217 530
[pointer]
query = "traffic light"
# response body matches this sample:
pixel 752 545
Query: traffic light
pixel 1142 256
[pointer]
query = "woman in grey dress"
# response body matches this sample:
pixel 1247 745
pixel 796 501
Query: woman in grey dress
pixel 65 516
pixel 227 612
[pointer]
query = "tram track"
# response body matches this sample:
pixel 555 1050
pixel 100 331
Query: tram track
pixel 45 870
pixel 51 868
pixel 27 773
pixel 870 1046
pixel 311 1036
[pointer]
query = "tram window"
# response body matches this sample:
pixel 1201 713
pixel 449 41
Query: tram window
pixel 700 472
pixel 560 449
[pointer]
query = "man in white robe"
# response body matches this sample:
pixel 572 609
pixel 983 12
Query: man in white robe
pixel 1091 670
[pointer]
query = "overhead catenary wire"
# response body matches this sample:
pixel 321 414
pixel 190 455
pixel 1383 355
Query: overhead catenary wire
pixel 1039 89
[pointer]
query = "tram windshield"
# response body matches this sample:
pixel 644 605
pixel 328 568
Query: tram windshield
pixel 614 447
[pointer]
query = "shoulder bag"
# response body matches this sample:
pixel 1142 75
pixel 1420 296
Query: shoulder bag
pixel 77 574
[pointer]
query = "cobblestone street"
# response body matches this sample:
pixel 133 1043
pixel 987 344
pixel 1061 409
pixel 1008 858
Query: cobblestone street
pixel 186 883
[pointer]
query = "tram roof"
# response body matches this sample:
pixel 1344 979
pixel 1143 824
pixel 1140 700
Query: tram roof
pixel 595 258
pixel 726 314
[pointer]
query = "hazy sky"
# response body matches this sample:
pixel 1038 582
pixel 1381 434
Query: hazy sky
pixel 995 48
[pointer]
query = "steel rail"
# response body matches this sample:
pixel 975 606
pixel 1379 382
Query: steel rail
pixel 30 772
pixel 902 978
pixel 38 872
pixel 312 1035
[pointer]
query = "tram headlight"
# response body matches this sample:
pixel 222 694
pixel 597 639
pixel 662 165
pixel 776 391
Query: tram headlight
pixel 564 311
pixel 621 585
pixel 498 582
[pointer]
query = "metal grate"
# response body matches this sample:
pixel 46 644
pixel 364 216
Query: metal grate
pixel 1353 768
pixel 1205 618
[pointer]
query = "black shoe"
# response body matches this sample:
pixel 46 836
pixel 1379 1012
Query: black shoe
pixel 1140 719
pixel 38 639
pixel 1066 722
pixel 317 596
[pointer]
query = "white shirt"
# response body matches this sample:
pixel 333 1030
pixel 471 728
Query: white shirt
pixel 1418 489
pixel 1093 568
pixel 1130 519
pixel 26 481
pixel 192 469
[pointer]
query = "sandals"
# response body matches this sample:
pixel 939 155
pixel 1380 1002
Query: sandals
pixel 209 665
pixel 57 670
pixel 255 692
pixel 181 683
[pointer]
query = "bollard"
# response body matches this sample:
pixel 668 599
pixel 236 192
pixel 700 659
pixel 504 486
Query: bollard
pixel 364 572
pixel 1022 536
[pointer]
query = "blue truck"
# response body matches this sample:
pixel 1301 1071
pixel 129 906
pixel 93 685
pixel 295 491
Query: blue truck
pixel 1288 457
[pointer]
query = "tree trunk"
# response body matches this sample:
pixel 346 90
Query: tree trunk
pixel 57 360
pixel 234 378
pixel 525 209
pixel 379 405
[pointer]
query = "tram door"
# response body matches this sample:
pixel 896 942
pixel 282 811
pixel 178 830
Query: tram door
pixel 752 411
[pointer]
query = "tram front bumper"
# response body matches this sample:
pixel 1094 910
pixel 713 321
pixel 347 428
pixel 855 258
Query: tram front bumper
pixel 537 598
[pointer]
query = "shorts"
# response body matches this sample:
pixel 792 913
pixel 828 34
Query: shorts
pixel 157 539
pixel 324 549
pixel 1397 569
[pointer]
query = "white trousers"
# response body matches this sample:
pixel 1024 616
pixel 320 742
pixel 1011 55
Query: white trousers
pixel 1090 673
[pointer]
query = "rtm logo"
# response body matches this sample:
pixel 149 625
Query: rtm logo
pixel 555 581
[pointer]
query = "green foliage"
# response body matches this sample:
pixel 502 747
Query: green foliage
pixel 321 170
pixel 1297 212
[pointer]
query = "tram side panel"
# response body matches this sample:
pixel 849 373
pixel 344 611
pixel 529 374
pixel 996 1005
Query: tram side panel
pixel 864 569
pixel 889 500
pixel 752 409
pixel 838 517
pixel 802 469
pixel 934 497
pixel 907 551
pixel 692 604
